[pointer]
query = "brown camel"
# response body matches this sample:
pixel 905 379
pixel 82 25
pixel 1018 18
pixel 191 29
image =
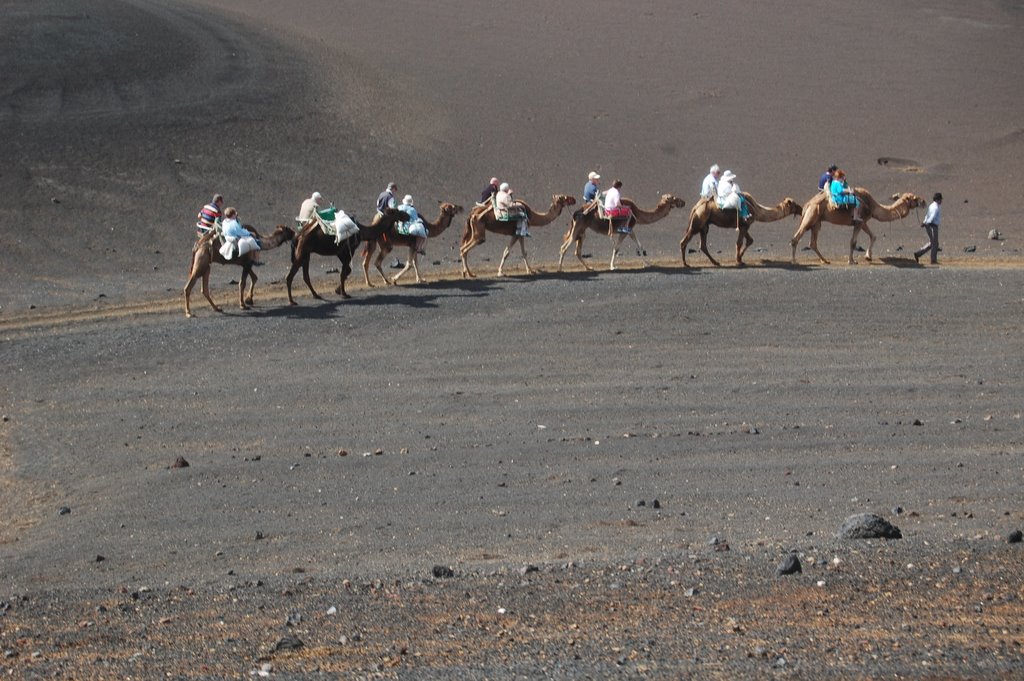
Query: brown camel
pixel 483 220
pixel 581 222
pixel 818 209
pixel 313 240
pixel 706 213
pixel 206 251
pixel 392 238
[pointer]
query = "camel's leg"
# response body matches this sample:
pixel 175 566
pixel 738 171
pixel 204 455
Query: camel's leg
pixel 853 244
pixel 346 269
pixel 296 264
pixel 616 243
pixel 814 242
pixel 245 301
pixel 704 247
pixel 193 276
pixel 566 244
pixel 410 261
pixel 368 250
pixel 639 249
pixel 305 278
pixel 801 230
pixel 507 251
pixel 578 251
pixel 416 266
pixel 205 287
pixel 871 240
pixel 683 243
pixel 743 241
pixel 464 250
pixel 522 248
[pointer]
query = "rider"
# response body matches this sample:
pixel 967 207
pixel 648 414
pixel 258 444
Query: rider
pixel 489 191
pixel 414 225
pixel 844 197
pixel 591 188
pixel 237 235
pixel 729 196
pixel 613 207
pixel 709 188
pixel 209 215
pixel 308 208
pixel 386 199
pixel 505 208
pixel 825 181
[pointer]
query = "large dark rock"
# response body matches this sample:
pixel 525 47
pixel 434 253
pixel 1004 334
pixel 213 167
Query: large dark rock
pixel 868 526
pixel 790 565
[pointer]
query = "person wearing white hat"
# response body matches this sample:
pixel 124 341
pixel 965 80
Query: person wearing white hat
pixel 308 208
pixel 709 188
pixel 591 188
pixel 729 197
pixel 506 209
pixel 414 225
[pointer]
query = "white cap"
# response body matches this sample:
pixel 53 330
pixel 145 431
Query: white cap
pixel 504 187
pixel 593 176
pixel 407 200
pixel 316 197
pixel 728 175
pixel 714 169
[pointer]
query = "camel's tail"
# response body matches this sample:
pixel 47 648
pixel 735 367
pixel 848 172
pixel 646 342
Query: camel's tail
pixel 467 233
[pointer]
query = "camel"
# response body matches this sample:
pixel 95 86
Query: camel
pixel 205 252
pixel 706 213
pixel 482 220
pixel 392 238
pixel 313 240
pixel 818 209
pixel 581 222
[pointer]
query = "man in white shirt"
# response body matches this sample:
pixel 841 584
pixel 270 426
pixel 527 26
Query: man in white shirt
pixel 709 188
pixel 931 228
pixel 308 208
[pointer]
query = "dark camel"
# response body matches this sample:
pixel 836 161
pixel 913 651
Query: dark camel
pixel 818 208
pixel 483 220
pixel 706 213
pixel 206 251
pixel 313 240
pixel 581 222
pixel 389 240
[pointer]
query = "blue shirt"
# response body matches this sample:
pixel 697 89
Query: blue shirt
pixel 589 191
pixel 824 180
pixel 385 200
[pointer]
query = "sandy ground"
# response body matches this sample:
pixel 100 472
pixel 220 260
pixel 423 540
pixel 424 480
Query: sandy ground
pixel 340 450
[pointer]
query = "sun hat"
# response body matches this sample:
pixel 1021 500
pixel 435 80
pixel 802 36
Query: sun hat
pixel 593 176
pixel 728 175
pixel 316 197
pixel 407 200
pixel 504 187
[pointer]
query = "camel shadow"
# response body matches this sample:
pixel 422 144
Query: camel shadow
pixel 788 265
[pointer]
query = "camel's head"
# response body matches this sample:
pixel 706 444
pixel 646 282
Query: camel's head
pixel 450 209
pixel 792 207
pixel 286 232
pixel 912 200
pixel 670 200
pixel 563 200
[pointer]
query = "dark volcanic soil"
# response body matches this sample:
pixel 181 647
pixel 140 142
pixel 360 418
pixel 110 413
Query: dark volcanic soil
pixel 610 465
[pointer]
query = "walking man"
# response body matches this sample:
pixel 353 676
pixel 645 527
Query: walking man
pixel 931 228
